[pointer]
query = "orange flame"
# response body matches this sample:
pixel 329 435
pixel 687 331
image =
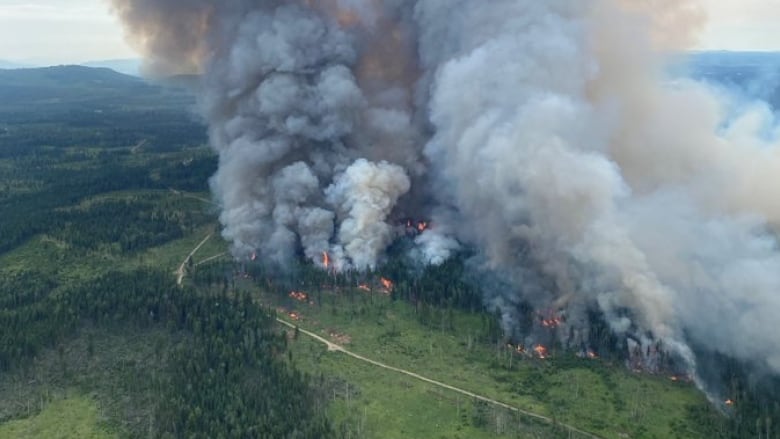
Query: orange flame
pixel 387 283
pixel 325 260
pixel 550 320
pixel 254 256
pixel 364 287
pixel 422 226
pixel 592 355
pixel 541 351
pixel 299 296
pixel 729 402
pixel 294 315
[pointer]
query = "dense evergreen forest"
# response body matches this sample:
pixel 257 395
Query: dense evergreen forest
pixel 229 380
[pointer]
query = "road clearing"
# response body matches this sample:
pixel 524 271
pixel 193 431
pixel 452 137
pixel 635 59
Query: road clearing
pixel 333 347
pixel 180 271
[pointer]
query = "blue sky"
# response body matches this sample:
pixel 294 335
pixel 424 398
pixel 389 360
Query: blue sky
pixel 63 31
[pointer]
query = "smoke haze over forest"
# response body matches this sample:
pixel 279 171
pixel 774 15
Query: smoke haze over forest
pixel 547 137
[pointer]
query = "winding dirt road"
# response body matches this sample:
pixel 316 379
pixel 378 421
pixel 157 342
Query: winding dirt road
pixel 212 258
pixel 194 197
pixel 180 271
pixel 336 348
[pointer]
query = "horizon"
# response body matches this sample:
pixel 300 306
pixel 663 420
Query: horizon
pixel 46 32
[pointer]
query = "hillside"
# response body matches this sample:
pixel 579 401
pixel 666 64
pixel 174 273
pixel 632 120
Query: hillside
pixel 130 67
pixel 81 106
pixel 53 84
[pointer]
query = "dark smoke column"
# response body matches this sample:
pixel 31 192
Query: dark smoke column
pixel 314 134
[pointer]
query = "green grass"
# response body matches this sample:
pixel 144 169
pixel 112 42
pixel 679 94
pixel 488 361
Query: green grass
pixel 45 253
pixel 376 403
pixel 592 395
pixel 171 255
pixel 122 369
pixel 71 418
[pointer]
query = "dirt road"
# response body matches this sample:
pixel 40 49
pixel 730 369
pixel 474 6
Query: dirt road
pixel 209 259
pixel 183 266
pixel 336 348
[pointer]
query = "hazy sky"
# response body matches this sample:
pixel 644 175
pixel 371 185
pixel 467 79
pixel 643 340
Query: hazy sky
pixel 59 31
pixel 742 25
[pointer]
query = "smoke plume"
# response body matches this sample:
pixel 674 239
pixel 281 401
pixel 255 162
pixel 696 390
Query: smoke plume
pixel 545 135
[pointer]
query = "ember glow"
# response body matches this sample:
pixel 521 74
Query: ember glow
pixel 541 352
pixel 294 315
pixel 364 287
pixel 299 296
pixel 387 284
pixel 551 319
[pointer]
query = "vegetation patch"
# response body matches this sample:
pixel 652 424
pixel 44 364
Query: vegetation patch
pixel 70 418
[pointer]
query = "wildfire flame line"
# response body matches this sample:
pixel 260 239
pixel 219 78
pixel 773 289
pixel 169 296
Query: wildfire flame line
pixel 299 296
pixel 387 284
pixel 541 351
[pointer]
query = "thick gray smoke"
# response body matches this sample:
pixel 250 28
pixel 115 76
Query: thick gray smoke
pixel 316 138
pixel 545 132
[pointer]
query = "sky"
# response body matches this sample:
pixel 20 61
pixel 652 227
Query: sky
pixel 742 25
pixel 71 31
pixel 60 31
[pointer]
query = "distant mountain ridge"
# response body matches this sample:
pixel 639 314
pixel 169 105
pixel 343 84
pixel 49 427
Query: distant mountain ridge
pixel 130 67
pixel 70 84
pixel 5 64
pixel 65 76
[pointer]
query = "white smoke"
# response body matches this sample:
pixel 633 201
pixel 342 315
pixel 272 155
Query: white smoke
pixel 545 135
pixel 365 195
